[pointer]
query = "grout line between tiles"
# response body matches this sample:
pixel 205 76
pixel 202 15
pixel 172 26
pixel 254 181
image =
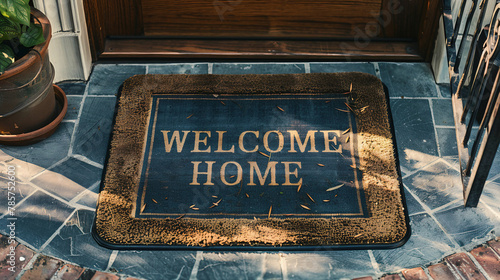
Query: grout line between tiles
pixel 210 69
pixel 48 168
pixel 481 269
pixel 56 233
pixel 196 266
pixel 101 95
pixel 307 67
pixel 87 160
pixel 437 209
pixel 377 70
pixel 444 126
pixel 28 266
pixel 262 267
pixel 111 260
pixel 434 127
pixel 73 202
pixel 431 214
pixel 77 123
pixel 454 167
pixel 19 203
pixel 147 69
pixel 49 194
pixel 374 262
pixel 420 169
pixel 284 269
pixel 427 273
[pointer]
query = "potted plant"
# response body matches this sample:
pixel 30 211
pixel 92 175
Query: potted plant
pixel 31 107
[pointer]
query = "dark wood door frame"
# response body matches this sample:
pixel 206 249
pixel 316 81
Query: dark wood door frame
pixel 399 34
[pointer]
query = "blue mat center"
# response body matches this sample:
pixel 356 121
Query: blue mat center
pixel 247 156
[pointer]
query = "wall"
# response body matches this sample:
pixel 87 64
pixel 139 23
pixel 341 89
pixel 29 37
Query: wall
pixel 69 48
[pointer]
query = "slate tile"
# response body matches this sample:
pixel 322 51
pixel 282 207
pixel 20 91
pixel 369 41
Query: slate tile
pixel 21 191
pixel 181 68
pixel 488 260
pixel 228 265
pixel 416 273
pixel 94 128
pixel 495 167
pixel 47 152
pixel 490 196
pixel 154 265
pixel 441 271
pixel 4 156
pixel 75 244
pixel 69 178
pixel 106 79
pixel 415 137
pixel 68 272
pixel 89 199
pixel 9 270
pixel 427 243
pixel 38 217
pixel 85 175
pixel 463 265
pixel 44 267
pixel 408 79
pixel 258 68
pixel 443 112
pixel 447 142
pixel 436 185
pixel 58 185
pixel 324 264
pixel 413 206
pixel 333 67
pixel 74 104
pixel 73 88
pixel 466 225
pixel 445 90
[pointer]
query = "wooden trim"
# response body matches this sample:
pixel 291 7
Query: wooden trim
pixel 429 25
pixel 259 49
pixel 95 27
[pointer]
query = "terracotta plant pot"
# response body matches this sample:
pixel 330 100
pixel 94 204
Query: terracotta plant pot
pixel 27 98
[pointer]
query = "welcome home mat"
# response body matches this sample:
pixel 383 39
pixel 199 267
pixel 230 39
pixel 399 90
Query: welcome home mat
pixel 252 161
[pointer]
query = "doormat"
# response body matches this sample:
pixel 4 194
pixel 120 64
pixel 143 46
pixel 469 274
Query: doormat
pixel 282 161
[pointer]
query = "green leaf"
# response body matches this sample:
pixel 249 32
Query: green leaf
pixel 16 10
pixel 6 57
pixel 33 36
pixel 8 29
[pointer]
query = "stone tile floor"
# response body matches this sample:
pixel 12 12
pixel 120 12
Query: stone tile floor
pixel 57 183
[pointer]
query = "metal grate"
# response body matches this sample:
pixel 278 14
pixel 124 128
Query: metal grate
pixel 475 91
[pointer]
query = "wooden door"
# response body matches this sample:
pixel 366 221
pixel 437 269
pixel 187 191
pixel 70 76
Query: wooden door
pixel 263 29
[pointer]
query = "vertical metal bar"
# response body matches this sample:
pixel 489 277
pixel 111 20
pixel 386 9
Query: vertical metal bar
pixel 477 80
pixel 484 121
pixel 485 158
pixel 474 112
pixel 465 34
pixel 458 23
pixel 472 50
